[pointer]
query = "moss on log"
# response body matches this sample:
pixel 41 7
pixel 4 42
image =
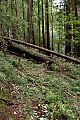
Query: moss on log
pixel 28 53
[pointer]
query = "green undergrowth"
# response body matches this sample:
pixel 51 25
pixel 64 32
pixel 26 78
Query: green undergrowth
pixel 42 94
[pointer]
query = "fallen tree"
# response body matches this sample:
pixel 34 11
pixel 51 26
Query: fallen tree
pixel 28 53
pixel 42 49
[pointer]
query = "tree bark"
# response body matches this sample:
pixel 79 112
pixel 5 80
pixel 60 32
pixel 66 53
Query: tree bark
pixel 30 29
pixel 39 31
pixel 26 52
pixel 68 28
pixel 76 30
pixel 23 12
pixel 43 24
pixel 47 25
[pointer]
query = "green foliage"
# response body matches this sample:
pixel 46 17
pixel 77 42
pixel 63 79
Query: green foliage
pixel 17 16
pixel 40 88
pixel 2 75
pixel 11 119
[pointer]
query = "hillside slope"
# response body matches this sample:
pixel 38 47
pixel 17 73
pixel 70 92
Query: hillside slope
pixel 29 91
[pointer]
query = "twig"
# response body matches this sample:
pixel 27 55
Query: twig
pixel 70 95
pixel 53 111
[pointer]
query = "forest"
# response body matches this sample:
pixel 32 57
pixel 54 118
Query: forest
pixel 39 59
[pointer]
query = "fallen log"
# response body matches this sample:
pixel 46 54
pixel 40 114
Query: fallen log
pixel 42 49
pixel 26 52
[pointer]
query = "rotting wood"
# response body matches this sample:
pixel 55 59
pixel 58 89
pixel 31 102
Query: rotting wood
pixel 29 53
pixel 42 49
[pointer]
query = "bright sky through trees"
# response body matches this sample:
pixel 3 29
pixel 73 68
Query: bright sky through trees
pixel 57 1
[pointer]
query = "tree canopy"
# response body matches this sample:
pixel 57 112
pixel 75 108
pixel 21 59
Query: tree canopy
pixel 44 23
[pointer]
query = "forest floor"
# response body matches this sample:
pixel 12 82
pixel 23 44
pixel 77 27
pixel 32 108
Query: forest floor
pixel 29 91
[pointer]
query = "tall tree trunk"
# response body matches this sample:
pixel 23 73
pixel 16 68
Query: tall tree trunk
pixel 30 29
pixel 13 7
pixel 33 39
pixel 52 25
pixel 39 32
pixel 76 28
pixel 28 20
pixel 47 26
pixel 68 28
pixel 23 12
pixel 43 24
